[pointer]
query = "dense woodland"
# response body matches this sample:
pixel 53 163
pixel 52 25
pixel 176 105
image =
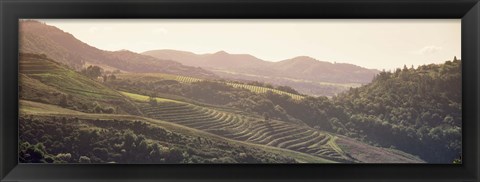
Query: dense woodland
pixel 414 110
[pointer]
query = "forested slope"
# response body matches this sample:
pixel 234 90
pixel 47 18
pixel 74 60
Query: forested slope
pixel 415 110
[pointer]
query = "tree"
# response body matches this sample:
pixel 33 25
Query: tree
pixel 109 110
pixel 92 71
pixel 84 159
pixel 112 77
pixel 174 156
pixel 64 157
pixel 287 89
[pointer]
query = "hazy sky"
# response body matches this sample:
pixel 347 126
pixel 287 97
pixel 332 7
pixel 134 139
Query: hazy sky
pixel 380 44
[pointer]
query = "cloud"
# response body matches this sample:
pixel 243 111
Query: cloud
pixel 431 49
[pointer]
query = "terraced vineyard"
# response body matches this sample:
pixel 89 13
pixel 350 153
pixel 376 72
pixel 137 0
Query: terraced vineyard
pixel 36 66
pixel 54 74
pixel 187 79
pixel 245 128
pixel 43 80
pixel 258 89
pixel 157 76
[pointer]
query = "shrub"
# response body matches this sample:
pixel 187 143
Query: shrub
pixel 109 110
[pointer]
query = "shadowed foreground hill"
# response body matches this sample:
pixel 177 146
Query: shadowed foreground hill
pixel 50 134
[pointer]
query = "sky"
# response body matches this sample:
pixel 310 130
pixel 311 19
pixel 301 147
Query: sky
pixel 379 44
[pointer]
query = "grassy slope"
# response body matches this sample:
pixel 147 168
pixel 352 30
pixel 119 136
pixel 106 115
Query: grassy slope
pixel 46 81
pixel 34 108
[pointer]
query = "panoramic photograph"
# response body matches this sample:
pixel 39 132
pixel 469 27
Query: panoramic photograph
pixel 211 91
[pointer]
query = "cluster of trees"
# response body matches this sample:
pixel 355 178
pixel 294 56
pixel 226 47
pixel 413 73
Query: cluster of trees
pixel 92 71
pixel 95 72
pixel 73 140
pixel 415 110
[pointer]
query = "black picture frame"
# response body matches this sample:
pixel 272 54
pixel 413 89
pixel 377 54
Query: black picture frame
pixel 11 11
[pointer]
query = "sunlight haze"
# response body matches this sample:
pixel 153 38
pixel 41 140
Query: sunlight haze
pixel 379 44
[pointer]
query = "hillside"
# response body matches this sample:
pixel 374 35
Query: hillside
pixel 307 68
pixel 415 110
pixel 44 80
pixel 39 38
pixel 418 110
pixel 252 129
pixel 56 97
pixel 75 137
pixel 157 77
pixel 305 74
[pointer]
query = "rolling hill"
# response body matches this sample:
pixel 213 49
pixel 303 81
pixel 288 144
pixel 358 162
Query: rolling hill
pixel 305 74
pixel 53 93
pixel 39 38
pixel 92 138
pixel 154 77
pixel 44 80
pixel 252 129
pixel 418 111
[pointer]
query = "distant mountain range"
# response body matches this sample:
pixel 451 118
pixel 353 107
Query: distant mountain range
pixel 306 74
pixel 39 38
